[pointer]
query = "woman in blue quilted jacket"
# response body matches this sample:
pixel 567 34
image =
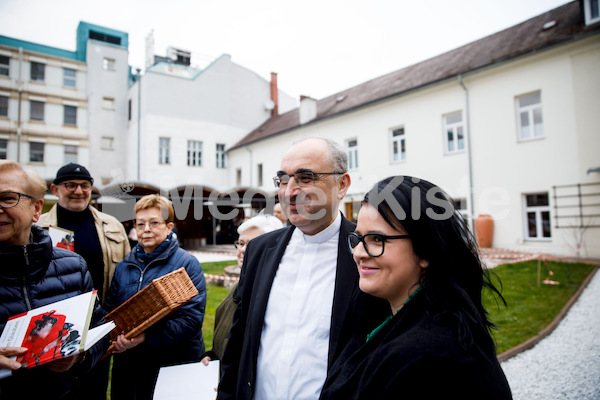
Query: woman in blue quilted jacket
pixel 34 274
pixel 176 339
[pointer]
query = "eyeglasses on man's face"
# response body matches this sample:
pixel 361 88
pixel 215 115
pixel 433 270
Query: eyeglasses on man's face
pixel 72 186
pixel 141 225
pixel 305 178
pixel 11 199
pixel 374 243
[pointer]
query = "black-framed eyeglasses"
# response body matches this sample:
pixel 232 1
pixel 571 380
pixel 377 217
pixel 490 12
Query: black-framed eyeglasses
pixel 374 242
pixel 11 199
pixel 72 186
pixel 140 226
pixel 305 178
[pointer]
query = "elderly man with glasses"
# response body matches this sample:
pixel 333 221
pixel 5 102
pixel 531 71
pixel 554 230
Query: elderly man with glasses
pixel 299 300
pixel 32 270
pixel 99 238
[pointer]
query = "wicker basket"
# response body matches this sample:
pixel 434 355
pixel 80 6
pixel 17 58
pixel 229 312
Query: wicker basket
pixel 161 297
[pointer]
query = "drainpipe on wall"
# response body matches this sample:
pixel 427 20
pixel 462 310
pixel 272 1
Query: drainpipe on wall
pixel 469 155
pixel 20 96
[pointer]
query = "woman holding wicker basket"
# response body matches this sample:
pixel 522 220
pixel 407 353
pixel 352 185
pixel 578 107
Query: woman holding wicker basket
pixel 175 339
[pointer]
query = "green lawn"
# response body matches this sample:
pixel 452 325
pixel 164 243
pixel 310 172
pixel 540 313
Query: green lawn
pixel 531 308
pixel 214 296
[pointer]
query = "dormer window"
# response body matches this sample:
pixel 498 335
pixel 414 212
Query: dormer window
pixel 591 9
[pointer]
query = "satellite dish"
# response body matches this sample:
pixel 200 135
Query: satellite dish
pixel 269 104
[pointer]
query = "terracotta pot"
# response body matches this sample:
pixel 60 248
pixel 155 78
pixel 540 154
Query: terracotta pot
pixel 484 230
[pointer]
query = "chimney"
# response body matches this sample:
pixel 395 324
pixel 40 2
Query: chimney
pixel 308 109
pixel 274 94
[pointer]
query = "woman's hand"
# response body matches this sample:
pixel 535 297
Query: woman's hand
pixel 206 360
pixel 122 344
pixel 6 352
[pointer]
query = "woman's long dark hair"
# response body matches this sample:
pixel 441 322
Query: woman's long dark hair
pixel 454 280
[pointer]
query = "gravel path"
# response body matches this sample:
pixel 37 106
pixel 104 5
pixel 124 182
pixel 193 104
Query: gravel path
pixel 565 364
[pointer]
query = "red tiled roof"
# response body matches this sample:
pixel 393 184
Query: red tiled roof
pixel 525 38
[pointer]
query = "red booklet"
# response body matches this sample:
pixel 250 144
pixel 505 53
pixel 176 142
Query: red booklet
pixel 54 331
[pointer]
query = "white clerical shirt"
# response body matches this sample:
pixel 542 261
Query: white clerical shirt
pixel 294 346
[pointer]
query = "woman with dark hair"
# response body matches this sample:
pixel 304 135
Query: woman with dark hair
pixel 415 251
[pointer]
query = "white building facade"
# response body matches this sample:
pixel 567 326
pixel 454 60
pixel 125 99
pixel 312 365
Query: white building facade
pixel 516 123
pixel 190 117
pixel 51 99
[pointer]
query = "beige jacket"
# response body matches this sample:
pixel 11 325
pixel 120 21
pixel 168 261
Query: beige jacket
pixel 112 236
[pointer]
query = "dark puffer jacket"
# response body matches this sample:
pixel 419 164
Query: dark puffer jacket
pixel 177 338
pixel 32 276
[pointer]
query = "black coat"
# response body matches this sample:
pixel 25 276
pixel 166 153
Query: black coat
pixel 261 262
pixel 33 276
pixel 417 356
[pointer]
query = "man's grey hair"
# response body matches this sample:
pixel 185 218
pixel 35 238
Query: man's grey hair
pixel 337 155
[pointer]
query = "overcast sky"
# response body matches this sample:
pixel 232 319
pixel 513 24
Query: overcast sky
pixel 317 47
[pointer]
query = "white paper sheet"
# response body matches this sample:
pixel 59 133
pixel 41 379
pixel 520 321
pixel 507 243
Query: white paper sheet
pixel 188 381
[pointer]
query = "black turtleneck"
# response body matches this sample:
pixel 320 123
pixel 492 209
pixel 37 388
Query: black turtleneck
pixel 87 244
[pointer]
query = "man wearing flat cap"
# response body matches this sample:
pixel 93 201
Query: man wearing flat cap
pixel 99 238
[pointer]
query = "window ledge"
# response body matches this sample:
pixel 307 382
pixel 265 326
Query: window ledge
pixel 538 239
pixel 531 139
pixel 453 153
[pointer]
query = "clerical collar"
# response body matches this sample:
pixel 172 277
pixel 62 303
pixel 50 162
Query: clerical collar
pixel 332 230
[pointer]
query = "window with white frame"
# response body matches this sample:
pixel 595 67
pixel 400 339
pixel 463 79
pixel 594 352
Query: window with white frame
pixel 454 136
pixel 398 145
pixel 3 106
pixel 36 110
pixel 529 116
pixel 36 152
pixel 3 149
pixel 220 155
pixel 460 206
pixel 4 65
pixel 194 153
pixel 164 149
pixel 108 64
pixel 591 9
pixel 71 153
pixel 537 217
pixel 38 71
pixel 70 115
pixel 69 77
pixel 107 142
pixel 352 150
